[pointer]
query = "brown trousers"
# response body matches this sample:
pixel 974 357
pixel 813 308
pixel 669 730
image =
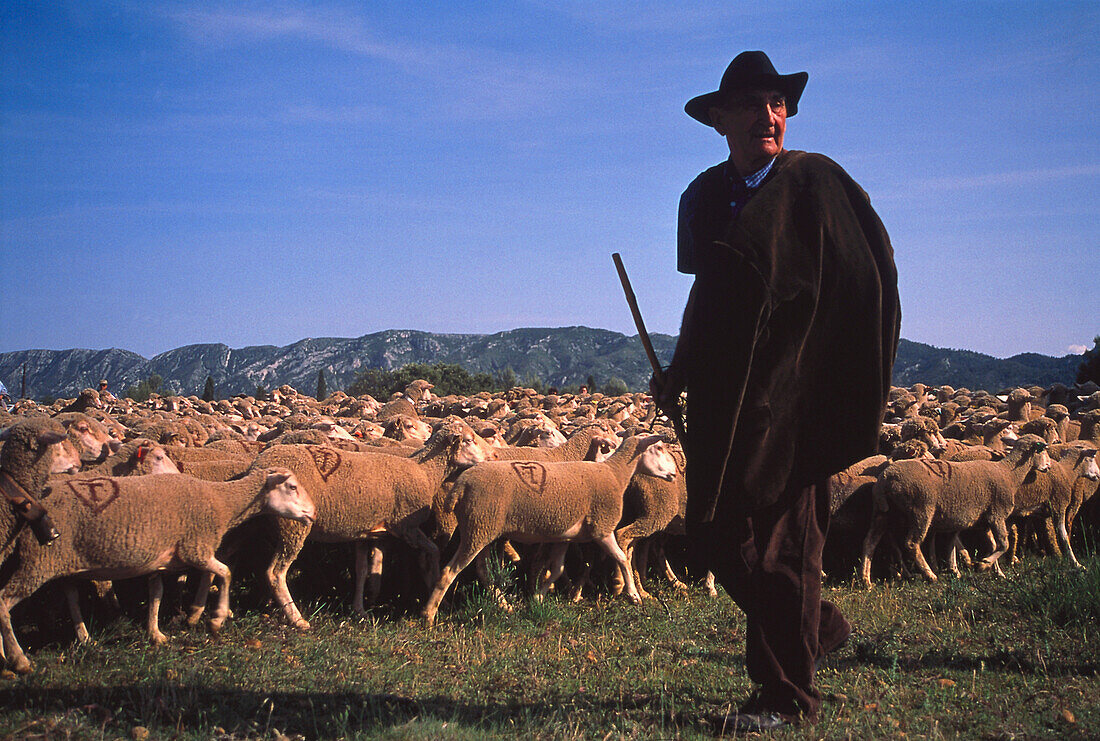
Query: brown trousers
pixel 769 561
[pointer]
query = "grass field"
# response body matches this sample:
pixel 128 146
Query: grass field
pixel 975 658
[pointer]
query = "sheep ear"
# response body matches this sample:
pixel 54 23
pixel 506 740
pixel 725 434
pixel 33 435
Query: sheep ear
pixel 114 444
pixel 275 477
pixel 49 437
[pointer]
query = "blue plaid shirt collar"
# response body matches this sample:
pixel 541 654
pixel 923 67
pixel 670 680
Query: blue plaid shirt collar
pixel 740 194
pixel 753 181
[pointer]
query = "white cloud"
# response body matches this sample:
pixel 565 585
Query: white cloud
pixel 482 81
pixel 1077 349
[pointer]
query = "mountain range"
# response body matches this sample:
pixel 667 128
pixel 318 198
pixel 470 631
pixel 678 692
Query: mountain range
pixel 560 357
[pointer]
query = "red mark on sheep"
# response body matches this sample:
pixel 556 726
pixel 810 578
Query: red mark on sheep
pixel 327 460
pixel 533 475
pixel 96 493
pixel 937 467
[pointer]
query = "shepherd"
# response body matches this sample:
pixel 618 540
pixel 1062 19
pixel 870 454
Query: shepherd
pixel 786 350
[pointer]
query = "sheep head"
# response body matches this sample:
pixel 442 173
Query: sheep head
pixel 284 496
pixel 654 458
pixel 1030 450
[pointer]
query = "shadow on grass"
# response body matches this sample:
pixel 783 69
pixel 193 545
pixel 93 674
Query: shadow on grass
pixel 201 709
pixel 1006 660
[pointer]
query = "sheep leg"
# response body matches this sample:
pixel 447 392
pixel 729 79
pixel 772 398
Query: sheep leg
pixel 669 573
pixel 1052 539
pixel 1000 535
pixel 917 534
pixel 20 586
pixel 368 563
pixel 870 542
pixel 429 552
pixel 955 548
pixel 577 593
pixel 510 552
pixel 221 612
pixel 152 619
pixel 73 600
pixel 626 538
pixel 13 653
pixel 481 567
pixel 1013 553
pixel 374 581
pixel 461 559
pixel 638 558
pixel 1063 539
pixel 293 536
pixel 553 571
pixel 198 602
pixel 611 547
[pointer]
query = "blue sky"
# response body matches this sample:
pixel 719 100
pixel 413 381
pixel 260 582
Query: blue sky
pixel 257 173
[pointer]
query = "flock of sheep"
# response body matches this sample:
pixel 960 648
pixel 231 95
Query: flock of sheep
pixel 140 490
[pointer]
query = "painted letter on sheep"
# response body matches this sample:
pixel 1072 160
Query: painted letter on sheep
pixel 95 493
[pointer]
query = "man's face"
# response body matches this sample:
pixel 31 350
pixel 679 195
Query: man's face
pixel 753 122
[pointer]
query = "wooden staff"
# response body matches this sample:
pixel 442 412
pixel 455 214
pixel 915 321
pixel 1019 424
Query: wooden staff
pixel 643 335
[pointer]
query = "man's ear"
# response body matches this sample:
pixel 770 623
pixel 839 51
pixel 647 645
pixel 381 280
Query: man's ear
pixel 716 119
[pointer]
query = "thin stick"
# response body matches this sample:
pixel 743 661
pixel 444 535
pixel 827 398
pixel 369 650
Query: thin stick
pixel 643 335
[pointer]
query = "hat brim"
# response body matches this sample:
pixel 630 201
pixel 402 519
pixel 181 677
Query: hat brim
pixel 790 85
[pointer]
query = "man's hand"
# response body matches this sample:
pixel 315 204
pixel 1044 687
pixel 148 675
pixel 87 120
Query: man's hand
pixel 666 390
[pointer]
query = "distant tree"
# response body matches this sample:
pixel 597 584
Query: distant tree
pixel 448 378
pixel 1089 370
pixel 322 385
pixel 143 390
pixel 508 378
pixel 532 381
pixel 615 386
pixel 373 381
pixel 208 390
pixel 591 382
pixel 261 393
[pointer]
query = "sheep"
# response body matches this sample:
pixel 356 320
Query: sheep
pixel 363 494
pixel 926 430
pixel 404 427
pixel 559 503
pixel 1044 427
pixel 950 497
pixel 650 505
pixel 140 456
pixel 995 433
pixel 235 447
pixel 89 437
pixel 416 392
pixel 88 399
pixel 29 453
pixel 1060 415
pixel 1083 486
pixel 585 444
pixel 1052 491
pixel 110 531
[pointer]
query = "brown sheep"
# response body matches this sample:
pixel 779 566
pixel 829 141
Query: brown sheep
pixel 950 497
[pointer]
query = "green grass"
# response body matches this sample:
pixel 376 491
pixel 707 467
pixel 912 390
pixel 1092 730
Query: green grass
pixel 973 658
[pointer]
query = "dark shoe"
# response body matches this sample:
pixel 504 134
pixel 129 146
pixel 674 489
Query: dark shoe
pixel 748 722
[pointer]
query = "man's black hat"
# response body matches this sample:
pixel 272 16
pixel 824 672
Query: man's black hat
pixel 749 69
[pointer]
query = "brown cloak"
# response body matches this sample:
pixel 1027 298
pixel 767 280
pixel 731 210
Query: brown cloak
pixel 792 335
